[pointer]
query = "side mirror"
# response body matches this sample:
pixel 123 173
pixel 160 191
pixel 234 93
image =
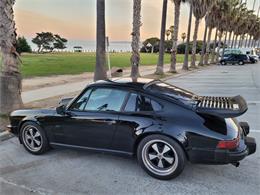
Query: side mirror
pixel 60 110
pixel 65 101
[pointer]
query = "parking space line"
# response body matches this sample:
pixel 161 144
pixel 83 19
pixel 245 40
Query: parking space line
pixel 255 130
pixel 253 102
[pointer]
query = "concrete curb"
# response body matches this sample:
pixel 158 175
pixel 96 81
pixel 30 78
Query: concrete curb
pixel 5 135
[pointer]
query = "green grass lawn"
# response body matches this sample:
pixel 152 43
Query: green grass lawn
pixel 76 63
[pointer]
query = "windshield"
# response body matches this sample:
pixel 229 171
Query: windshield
pixel 171 90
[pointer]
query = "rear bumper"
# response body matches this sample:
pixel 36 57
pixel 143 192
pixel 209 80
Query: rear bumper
pixel 247 147
pixel 226 156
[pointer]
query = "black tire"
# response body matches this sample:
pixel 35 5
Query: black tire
pixel 39 137
pixel 241 63
pixel 148 162
pixel 223 63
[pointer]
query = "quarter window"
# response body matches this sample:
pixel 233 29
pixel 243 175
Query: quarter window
pixel 140 103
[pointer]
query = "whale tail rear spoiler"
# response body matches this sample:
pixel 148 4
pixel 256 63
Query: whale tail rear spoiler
pixel 225 107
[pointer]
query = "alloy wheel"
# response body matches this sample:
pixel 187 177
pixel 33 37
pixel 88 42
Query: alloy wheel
pixel 32 138
pixel 160 157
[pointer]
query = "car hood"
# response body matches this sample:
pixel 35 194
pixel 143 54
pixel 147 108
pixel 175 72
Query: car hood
pixel 32 112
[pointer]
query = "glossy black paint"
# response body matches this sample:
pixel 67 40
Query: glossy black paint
pixel 120 132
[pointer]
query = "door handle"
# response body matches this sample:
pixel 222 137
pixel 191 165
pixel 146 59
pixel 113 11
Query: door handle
pixel 110 122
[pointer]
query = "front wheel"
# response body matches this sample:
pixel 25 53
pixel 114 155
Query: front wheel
pixel 223 63
pixel 33 138
pixel 161 157
pixel 240 63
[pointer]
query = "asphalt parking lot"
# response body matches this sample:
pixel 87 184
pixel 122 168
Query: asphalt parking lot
pixel 67 171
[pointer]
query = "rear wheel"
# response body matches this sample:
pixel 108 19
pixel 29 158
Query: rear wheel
pixel 161 157
pixel 240 63
pixel 34 138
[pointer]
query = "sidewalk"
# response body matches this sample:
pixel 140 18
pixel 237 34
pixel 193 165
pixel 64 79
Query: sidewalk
pixel 39 88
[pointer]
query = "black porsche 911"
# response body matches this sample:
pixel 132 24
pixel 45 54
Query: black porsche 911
pixel 163 125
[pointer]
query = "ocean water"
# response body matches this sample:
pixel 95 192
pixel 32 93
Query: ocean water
pixel 90 46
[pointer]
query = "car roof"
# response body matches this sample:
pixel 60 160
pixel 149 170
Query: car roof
pixel 139 83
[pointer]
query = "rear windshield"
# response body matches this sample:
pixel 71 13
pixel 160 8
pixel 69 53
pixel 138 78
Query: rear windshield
pixel 169 90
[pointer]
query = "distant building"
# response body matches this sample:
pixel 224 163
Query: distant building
pixel 77 49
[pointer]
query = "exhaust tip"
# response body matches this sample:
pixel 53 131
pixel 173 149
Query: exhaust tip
pixel 236 164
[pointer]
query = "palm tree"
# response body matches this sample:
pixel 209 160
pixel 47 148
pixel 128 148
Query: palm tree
pixel 240 23
pixel 251 23
pixel 211 22
pixel 222 6
pixel 237 14
pixel 185 65
pixel 159 68
pixel 220 35
pixel 255 32
pixel 203 45
pixel 248 26
pixel 183 36
pixel 100 69
pixel 168 33
pixel 213 53
pixel 171 29
pixel 135 58
pixel 227 17
pixel 10 76
pixel 199 9
pixel 177 7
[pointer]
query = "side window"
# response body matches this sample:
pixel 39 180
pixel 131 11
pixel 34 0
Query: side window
pixel 105 99
pixel 139 103
pixel 81 103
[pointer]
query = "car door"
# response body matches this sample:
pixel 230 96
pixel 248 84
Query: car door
pixel 232 59
pixel 92 119
pixel 140 114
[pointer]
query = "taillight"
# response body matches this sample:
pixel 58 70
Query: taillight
pixel 228 144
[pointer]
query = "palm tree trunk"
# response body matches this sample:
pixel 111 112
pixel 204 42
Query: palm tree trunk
pixel 235 43
pixel 186 57
pixel 213 53
pixel 245 45
pixel 253 43
pixel 203 46
pixel 175 37
pixel 135 58
pixel 159 68
pixel 249 41
pixel 229 38
pixel 206 60
pixel 219 45
pixel 233 40
pixel 100 70
pixel 194 44
pixel 10 76
pixel 241 40
pixel 224 46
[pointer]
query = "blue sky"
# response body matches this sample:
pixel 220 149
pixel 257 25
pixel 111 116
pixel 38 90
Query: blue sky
pixel 76 19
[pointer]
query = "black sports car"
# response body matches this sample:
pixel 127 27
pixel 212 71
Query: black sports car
pixel 163 125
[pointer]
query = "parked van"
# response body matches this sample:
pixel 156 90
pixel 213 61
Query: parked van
pixel 246 51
